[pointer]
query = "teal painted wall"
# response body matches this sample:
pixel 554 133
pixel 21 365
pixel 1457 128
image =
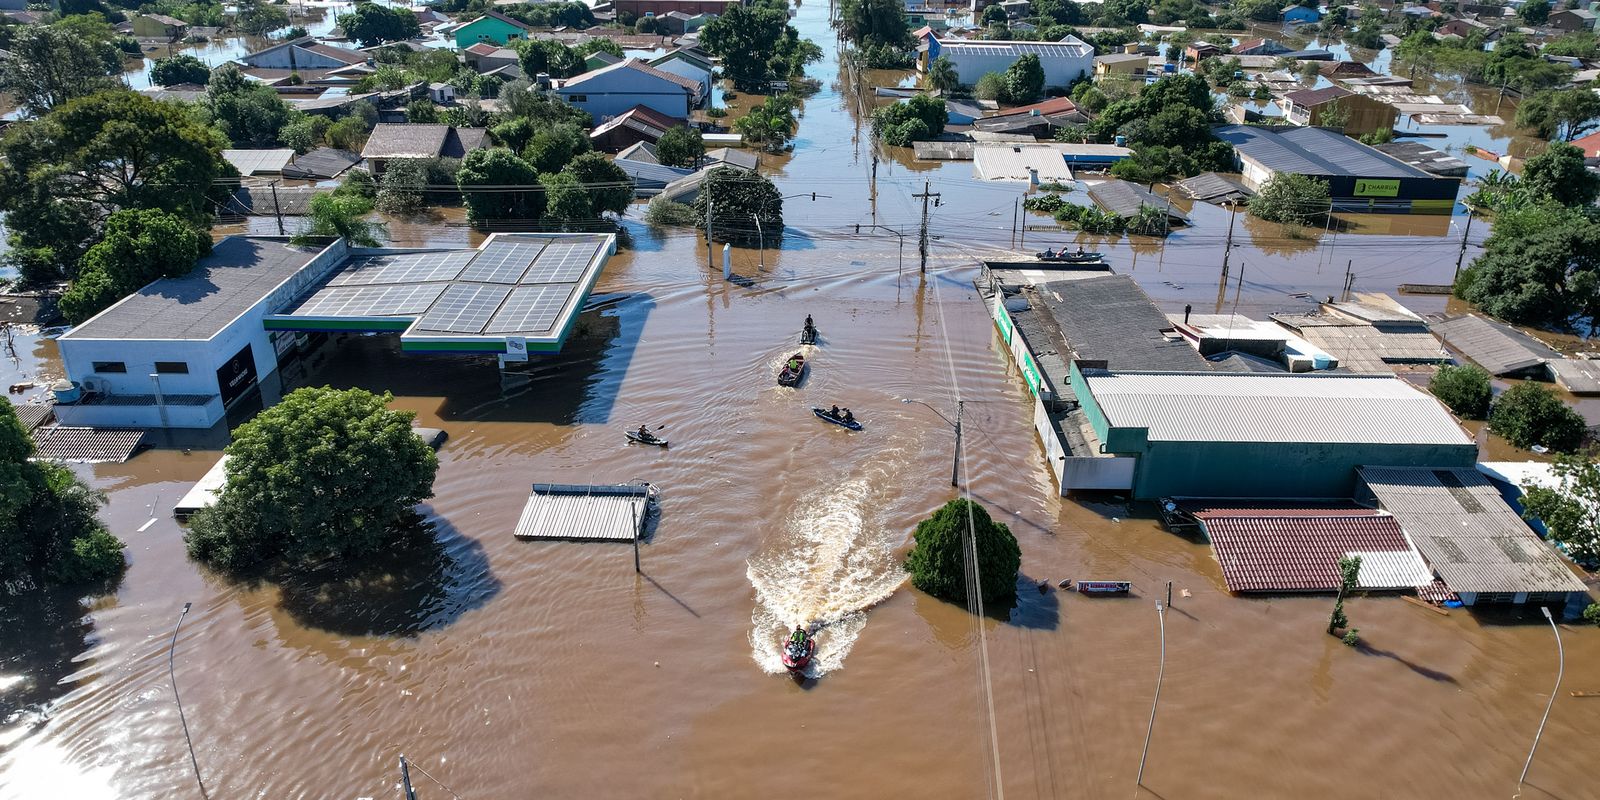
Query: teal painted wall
pixel 1277 469
pixel 488 29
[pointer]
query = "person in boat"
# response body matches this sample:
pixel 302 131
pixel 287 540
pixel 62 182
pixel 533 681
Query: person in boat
pixel 1080 249
pixel 1049 253
pixel 644 433
pixel 797 639
pixel 847 417
pixel 834 412
pixel 793 365
pixel 810 326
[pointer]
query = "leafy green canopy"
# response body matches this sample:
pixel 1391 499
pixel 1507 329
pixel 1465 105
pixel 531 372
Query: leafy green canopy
pixel 680 146
pixel 372 24
pixel 757 44
pixel 1292 198
pixel 1529 414
pixel 499 167
pixel 63 175
pixel 735 198
pixel 937 562
pixel 1541 266
pixel 182 68
pixel 918 118
pixel 1464 388
pixel 139 246
pixel 48 528
pixel 325 475
pixel 1570 509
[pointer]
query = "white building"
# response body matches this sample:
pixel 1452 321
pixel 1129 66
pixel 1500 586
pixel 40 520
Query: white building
pixel 1063 62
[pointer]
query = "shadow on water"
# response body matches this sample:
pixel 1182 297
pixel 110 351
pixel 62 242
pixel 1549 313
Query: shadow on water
pixel 427 582
pixel 1027 607
pixel 43 634
pixel 1431 674
pixel 578 384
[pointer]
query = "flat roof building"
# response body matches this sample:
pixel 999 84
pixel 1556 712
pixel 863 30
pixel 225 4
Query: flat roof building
pixel 1227 434
pixel 178 352
pixel 1359 177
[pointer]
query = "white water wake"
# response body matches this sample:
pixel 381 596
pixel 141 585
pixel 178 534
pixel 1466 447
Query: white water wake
pixel 834 562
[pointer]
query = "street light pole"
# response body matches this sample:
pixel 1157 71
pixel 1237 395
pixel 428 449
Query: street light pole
pixel 1561 666
pixel 1161 614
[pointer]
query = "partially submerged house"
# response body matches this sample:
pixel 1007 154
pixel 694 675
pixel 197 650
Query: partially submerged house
pixel 1063 62
pixel 391 142
pixel 493 27
pixel 613 90
pixel 1335 106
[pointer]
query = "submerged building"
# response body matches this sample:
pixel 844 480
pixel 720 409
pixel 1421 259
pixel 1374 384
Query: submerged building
pixel 180 351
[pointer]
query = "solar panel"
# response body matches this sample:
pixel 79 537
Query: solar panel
pixel 531 309
pixel 504 261
pixel 562 262
pixel 404 268
pixel 464 308
pixel 370 301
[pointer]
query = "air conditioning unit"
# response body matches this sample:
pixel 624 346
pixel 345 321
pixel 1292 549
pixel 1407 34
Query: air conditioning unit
pixel 94 384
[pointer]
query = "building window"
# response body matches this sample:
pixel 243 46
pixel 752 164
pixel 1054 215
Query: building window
pixel 577 98
pixel 110 366
pixel 172 368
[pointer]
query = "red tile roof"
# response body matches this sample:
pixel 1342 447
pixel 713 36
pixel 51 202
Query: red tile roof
pixel 1051 107
pixel 1590 145
pixel 1295 548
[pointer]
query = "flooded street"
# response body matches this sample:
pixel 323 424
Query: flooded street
pixel 509 668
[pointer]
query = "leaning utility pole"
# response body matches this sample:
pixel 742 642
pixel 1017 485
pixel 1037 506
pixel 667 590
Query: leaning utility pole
pixel 1227 247
pixel 1462 254
pixel 922 239
pixel 711 247
pixel 955 468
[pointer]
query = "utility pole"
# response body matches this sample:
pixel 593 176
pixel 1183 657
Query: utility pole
pixel 711 247
pixel 278 210
pixel 1349 280
pixel 407 793
pixel 955 467
pixel 1227 247
pixel 1460 256
pixel 761 241
pixel 922 239
pixel 1015 210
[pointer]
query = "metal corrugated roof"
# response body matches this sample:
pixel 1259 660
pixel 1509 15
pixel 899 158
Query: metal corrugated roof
pixel 1471 538
pixel 1124 199
pixel 1008 162
pixel 562 511
pixel 1297 551
pixel 1298 408
pixel 264 162
pixel 1015 49
pixel 87 445
pixel 1313 151
pixel 1109 318
pixel 1500 349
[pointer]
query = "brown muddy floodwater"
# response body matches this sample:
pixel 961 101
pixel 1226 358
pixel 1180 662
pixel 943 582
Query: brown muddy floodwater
pixel 550 669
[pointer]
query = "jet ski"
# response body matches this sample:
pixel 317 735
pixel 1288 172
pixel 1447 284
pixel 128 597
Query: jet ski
pixel 797 655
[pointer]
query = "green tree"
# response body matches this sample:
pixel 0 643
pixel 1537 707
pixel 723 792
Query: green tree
pixel 139 246
pixel 589 48
pixel 993 15
pixel 335 215
pixel 182 68
pixel 1465 389
pixel 305 132
pixel 251 114
pixel 1349 579
pixel 372 24
pixel 548 56
pixel 48 66
pixel 401 189
pixel 422 111
pixel 680 147
pixel 942 75
pixel 551 148
pixel 1559 174
pixel 1534 12
pixel 1530 414
pixel 565 198
pixel 769 124
pixel 260 19
pixel 938 561
pixel 875 22
pixel 323 476
pixel 1024 80
pixel 1570 510
pixel 739 198
pixel 756 44
pixel 1541 266
pixel 61 176
pixel 990 86
pixel 48 529
pixel 1291 198
pixel 608 187
pixel 918 118
pixel 491 169
pixel 1561 113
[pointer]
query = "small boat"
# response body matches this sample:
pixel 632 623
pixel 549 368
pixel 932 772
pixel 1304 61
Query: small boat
pixel 822 413
pixel 797 657
pixel 791 377
pixel 1105 587
pixel 808 336
pixel 633 436
pixel 1079 257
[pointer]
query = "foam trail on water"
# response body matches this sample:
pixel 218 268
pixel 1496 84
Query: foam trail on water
pixel 834 563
